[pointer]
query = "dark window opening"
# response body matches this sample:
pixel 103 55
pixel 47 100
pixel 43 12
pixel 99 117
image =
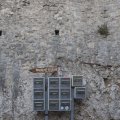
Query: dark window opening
pixel 0 32
pixel 56 32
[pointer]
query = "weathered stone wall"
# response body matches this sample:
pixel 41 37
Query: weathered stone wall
pixel 28 40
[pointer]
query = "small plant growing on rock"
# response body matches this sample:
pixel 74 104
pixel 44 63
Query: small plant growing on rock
pixel 103 30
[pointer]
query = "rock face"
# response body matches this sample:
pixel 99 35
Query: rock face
pixel 27 40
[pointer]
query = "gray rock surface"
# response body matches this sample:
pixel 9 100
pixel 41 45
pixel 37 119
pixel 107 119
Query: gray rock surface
pixel 28 40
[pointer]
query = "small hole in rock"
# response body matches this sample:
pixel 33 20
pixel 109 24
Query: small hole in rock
pixel 56 32
pixel 0 32
pixel 106 81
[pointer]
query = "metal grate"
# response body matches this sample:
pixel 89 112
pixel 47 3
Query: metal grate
pixel 39 94
pixel 59 94
pixel 65 105
pixel 77 81
pixel 79 93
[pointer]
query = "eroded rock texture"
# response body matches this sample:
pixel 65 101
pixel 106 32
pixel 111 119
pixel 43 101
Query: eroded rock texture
pixel 27 40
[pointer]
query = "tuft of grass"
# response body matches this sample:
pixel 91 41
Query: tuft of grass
pixel 103 30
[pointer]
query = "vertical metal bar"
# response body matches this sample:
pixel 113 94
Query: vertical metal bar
pixel 59 93
pixel 72 104
pixel 46 97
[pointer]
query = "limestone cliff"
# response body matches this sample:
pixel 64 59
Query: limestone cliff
pixel 27 40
